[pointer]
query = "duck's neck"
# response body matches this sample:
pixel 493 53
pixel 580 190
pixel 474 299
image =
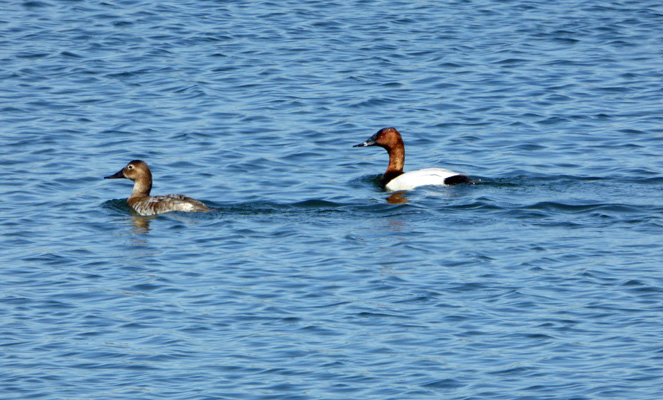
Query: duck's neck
pixel 142 187
pixel 396 163
pixel 396 159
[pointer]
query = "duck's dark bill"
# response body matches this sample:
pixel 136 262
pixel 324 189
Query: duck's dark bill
pixel 369 142
pixel 118 175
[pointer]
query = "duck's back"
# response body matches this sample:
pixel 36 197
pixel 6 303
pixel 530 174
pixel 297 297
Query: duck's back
pixel 153 205
pixel 426 177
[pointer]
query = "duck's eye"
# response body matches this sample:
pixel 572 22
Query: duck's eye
pixel 130 166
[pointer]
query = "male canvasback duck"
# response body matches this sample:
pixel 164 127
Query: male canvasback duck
pixel 394 179
pixel 146 205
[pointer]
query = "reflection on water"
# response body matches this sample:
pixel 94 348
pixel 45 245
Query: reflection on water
pixel 398 198
pixel 141 224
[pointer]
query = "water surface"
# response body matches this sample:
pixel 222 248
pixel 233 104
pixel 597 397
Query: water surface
pixel 541 281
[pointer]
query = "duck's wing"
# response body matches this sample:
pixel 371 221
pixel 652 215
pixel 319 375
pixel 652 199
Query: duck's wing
pixel 154 205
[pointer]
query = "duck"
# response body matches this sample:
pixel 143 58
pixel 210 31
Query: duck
pixel 394 179
pixel 140 200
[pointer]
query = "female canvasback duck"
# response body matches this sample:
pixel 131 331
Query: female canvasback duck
pixel 394 179
pixel 146 205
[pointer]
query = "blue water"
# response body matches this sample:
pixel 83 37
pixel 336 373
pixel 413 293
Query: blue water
pixel 542 281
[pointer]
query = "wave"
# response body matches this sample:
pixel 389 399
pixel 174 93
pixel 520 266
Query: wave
pixel 521 196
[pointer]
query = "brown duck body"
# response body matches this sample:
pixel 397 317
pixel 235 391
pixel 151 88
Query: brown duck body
pixel 146 205
pixel 153 205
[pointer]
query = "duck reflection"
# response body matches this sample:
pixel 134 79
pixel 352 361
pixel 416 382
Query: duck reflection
pixel 398 198
pixel 141 225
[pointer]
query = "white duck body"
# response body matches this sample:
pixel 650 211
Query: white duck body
pixel 422 177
